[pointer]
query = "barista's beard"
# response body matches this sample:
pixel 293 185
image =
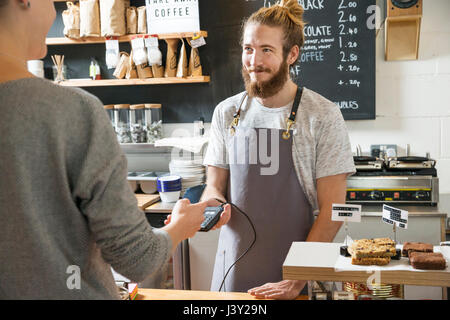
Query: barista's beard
pixel 269 88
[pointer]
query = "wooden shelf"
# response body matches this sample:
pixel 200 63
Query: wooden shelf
pixel 132 82
pixel 54 41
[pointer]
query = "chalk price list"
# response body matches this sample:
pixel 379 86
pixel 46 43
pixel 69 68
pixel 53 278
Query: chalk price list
pixel 348 55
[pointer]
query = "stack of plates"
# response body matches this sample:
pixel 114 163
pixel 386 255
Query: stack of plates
pixel 192 172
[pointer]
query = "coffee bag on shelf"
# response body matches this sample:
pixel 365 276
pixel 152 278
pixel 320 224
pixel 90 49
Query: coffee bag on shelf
pixel 131 68
pixel 89 18
pixel 158 71
pixel 71 20
pixel 171 60
pixel 112 18
pixel 141 20
pixel 131 20
pixel 144 71
pixel 122 66
pixel 182 69
pixel 195 66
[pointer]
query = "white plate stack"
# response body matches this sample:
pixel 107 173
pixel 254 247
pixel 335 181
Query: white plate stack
pixel 192 172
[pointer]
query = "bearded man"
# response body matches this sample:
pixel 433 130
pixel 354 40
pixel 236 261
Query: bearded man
pixel 288 195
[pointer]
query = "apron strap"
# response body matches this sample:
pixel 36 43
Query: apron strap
pixel 291 120
pixel 298 98
pixel 237 115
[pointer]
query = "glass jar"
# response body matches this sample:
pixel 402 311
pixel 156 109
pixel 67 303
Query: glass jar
pixel 122 122
pixel 62 76
pixel 110 111
pixel 137 123
pixel 153 122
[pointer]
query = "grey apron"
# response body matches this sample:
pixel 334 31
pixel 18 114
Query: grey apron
pixel 275 203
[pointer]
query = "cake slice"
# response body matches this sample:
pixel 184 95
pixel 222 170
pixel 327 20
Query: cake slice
pixel 427 260
pixel 380 261
pixel 384 241
pixel 366 248
pixel 417 247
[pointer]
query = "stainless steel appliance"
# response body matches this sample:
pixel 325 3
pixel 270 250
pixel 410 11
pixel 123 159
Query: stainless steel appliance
pixel 402 180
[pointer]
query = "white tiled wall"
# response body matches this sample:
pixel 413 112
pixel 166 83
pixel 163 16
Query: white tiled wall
pixel 413 97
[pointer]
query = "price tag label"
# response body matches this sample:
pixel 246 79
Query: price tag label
pixel 395 216
pixel 151 42
pixel 346 212
pixel 112 44
pixel 198 42
pixel 137 43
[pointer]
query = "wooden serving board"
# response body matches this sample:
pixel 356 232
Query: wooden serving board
pixel 145 200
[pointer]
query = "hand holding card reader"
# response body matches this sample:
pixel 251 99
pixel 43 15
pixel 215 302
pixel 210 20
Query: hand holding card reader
pixel 212 216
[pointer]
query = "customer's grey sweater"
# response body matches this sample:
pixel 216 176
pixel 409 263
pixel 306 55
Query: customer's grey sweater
pixel 67 213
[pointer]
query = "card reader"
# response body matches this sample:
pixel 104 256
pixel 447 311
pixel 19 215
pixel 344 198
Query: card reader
pixel 212 216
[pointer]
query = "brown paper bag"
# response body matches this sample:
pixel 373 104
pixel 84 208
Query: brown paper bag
pixel 171 60
pixel 122 66
pixel 182 69
pixel 131 20
pixel 89 18
pixel 71 20
pixel 112 18
pixel 141 20
pixel 158 71
pixel 144 71
pixel 131 68
pixel 195 67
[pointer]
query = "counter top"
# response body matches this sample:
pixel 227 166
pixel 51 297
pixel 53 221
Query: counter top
pixel 168 294
pixel 366 210
pixel 316 261
pixel 160 207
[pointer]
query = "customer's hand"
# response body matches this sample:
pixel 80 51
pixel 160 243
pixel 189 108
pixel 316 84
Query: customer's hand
pixel 224 216
pixel 185 220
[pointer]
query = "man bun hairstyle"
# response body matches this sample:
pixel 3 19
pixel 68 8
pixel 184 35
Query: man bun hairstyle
pixel 287 14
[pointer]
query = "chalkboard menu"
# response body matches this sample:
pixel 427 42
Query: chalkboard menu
pixel 338 57
pixel 337 61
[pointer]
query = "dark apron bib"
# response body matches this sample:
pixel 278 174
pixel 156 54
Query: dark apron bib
pixel 275 203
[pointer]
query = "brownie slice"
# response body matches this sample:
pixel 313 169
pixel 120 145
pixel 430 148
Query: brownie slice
pixel 416 246
pixel 427 260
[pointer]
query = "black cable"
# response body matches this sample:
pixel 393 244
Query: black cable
pixel 248 249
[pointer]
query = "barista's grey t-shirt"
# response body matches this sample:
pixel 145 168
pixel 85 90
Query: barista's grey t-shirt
pixel 321 145
pixel 67 212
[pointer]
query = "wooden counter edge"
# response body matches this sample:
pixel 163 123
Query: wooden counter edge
pixel 170 294
pixel 429 278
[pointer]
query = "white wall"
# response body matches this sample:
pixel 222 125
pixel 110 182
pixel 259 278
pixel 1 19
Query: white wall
pixel 413 97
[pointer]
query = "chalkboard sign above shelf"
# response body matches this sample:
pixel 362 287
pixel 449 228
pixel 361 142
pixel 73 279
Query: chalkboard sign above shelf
pixel 132 82
pixel 126 38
